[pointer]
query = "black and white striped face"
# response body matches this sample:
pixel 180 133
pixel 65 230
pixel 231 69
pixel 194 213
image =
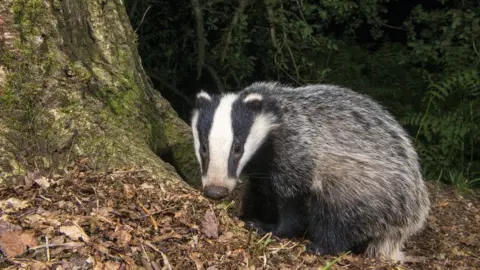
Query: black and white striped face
pixel 227 130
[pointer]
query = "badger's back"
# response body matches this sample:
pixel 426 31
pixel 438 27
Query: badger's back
pixel 347 149
pixel 319 159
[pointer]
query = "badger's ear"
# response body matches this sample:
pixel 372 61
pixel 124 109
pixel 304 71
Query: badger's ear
pixel 202 98
pixel 254 101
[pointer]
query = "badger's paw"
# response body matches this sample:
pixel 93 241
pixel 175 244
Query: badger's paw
pixel 314 248
pixel 262 228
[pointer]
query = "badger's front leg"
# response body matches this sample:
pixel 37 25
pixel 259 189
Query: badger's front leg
pixel 291 220
pixel 291 217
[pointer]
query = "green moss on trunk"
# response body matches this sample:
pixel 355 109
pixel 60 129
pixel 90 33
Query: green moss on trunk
pixel 76 88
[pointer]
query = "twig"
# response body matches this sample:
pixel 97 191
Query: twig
pixel 393 27
pixel 155 225
pixel 45 198
pixel 157 212
pixel 143 17
pixel 241 8
pixel 133 171
pixel 48 248
pixel 197 9
pixel 249 236
pixel 104 219
pixel 291 54
pixel 67 245
pixel 216 78
pixel 272 25
pixel 87 238
pixel 145 253
pixel 165 261
pixel 152 247
pixel 475 48
pixel 96 196
pixel 133 8
pixel 78 200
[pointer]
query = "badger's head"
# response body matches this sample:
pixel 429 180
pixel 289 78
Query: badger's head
pixel 227 130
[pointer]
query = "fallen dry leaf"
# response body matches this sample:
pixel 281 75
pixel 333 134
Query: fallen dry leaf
pixel 122 233
pixel 469 240
pixel 39 266
pixel 43 182
pixel 225 237
pixel 6 227
pixel 443 204
pixel 120 228
pixel 198 263
pixel 30 178
pixel 74 233
pixel 128 191
pixel 146 186
pixel 109 265
pixel 210 224
pixel 12 205
pixel 15 243
pixel 83 161
pixel 38 221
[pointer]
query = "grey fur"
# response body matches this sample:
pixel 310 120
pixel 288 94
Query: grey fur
pixel 341 150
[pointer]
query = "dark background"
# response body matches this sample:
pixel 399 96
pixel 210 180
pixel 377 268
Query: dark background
pixel 420 59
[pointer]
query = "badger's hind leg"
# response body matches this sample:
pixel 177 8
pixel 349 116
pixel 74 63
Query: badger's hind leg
pixel 387 247
pixel 329 235
pixel 334 229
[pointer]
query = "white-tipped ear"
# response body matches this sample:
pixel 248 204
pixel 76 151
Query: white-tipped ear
pixel 253 98
pixel 204 95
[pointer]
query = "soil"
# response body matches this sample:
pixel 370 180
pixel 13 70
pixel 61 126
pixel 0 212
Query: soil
pixel 128 220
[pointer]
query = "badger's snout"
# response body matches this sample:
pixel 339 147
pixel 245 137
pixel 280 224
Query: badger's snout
pixel 215 192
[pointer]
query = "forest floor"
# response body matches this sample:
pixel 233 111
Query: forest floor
pixel 126 220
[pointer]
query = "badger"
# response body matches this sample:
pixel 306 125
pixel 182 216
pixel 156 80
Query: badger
pixel 322 161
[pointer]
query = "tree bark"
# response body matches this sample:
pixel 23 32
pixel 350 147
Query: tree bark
pixel 72 87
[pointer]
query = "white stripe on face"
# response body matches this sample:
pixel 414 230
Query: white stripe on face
pixel 258 132
pixel 220 143
pixel 196 140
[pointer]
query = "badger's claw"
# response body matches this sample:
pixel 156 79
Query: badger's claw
pixel 262 228
pixel 312 248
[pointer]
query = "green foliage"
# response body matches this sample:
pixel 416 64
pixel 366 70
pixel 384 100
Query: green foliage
pixel 424 66
pixel 448 131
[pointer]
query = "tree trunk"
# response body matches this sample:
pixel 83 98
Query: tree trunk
pixel 72 87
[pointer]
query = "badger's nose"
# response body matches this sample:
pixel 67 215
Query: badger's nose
pixel 215 192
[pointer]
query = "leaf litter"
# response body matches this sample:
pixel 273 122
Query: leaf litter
pixel 129 220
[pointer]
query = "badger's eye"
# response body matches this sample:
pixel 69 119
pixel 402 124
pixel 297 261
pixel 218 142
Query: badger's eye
pixel 236 148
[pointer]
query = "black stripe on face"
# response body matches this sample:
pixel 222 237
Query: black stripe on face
pixel 243 115
pixel 206 111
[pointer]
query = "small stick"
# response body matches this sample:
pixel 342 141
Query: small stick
pixel 158 212
pixel 250 229
pixel 78 200
pixel 166 263
pixel 96 196
pixel 165 259
pixel 48 248
pixel 145 253
pixel 155 225
pixel 122 172
pixel 105 219
pixel 86 238
pixel 143 17
pixel 45 198
pixel 152 247
pixel 68 245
